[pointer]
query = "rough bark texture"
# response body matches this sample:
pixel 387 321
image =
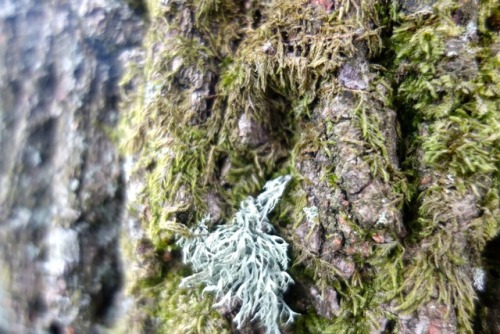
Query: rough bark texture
pixel 385 114
pixel 62 189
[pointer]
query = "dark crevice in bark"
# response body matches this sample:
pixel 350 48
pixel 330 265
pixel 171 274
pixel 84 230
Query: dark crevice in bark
pixel 139 7
pixel 487 318
pixel 406 148
pixel 56 328
pixel 407 121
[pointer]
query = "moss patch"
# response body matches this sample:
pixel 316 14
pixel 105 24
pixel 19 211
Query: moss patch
pixel 451 89
pixel 218 68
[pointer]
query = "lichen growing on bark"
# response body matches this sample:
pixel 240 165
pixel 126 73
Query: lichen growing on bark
pixel 237 92
pixel 242 263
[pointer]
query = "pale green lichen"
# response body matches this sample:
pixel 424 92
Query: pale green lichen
pixel 242 264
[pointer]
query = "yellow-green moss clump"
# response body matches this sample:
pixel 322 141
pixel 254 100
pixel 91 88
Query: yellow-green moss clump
pixel 450 91
pixel 232 96
pixel 185 311
pixel 173 139
pixel 213 66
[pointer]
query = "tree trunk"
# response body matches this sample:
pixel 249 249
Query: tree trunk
pixel 386 116
pixel 61 183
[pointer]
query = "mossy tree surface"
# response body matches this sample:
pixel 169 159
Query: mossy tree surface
pixel 385 114
pixel 448 69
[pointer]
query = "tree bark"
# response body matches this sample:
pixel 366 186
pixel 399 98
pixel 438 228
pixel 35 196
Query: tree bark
pixel 385 114
pixel 62 189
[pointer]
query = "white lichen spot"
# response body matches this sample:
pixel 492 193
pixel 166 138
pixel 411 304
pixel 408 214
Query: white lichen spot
pixel 382 219
pixel 315 293
pixel 35 158
pixel 471 31
pixel 176 64
pixel 73 184
pixel 312 215
pixel 421 326
pixel 31 251
pixel 268 48
pixel 479 279
pixel 63 250
pixel 151 92
pixel 20 218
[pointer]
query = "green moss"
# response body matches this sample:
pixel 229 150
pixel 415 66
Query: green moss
pixel 363 295
pixel 456 113
pixel 282 68
pixel 185 151
pixel 174 310
pixel 463 136
pixel 367 291
pixel 186 311
pixel 310 322
pixel 274 62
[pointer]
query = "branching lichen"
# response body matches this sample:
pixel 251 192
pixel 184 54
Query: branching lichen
pixel 242 264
